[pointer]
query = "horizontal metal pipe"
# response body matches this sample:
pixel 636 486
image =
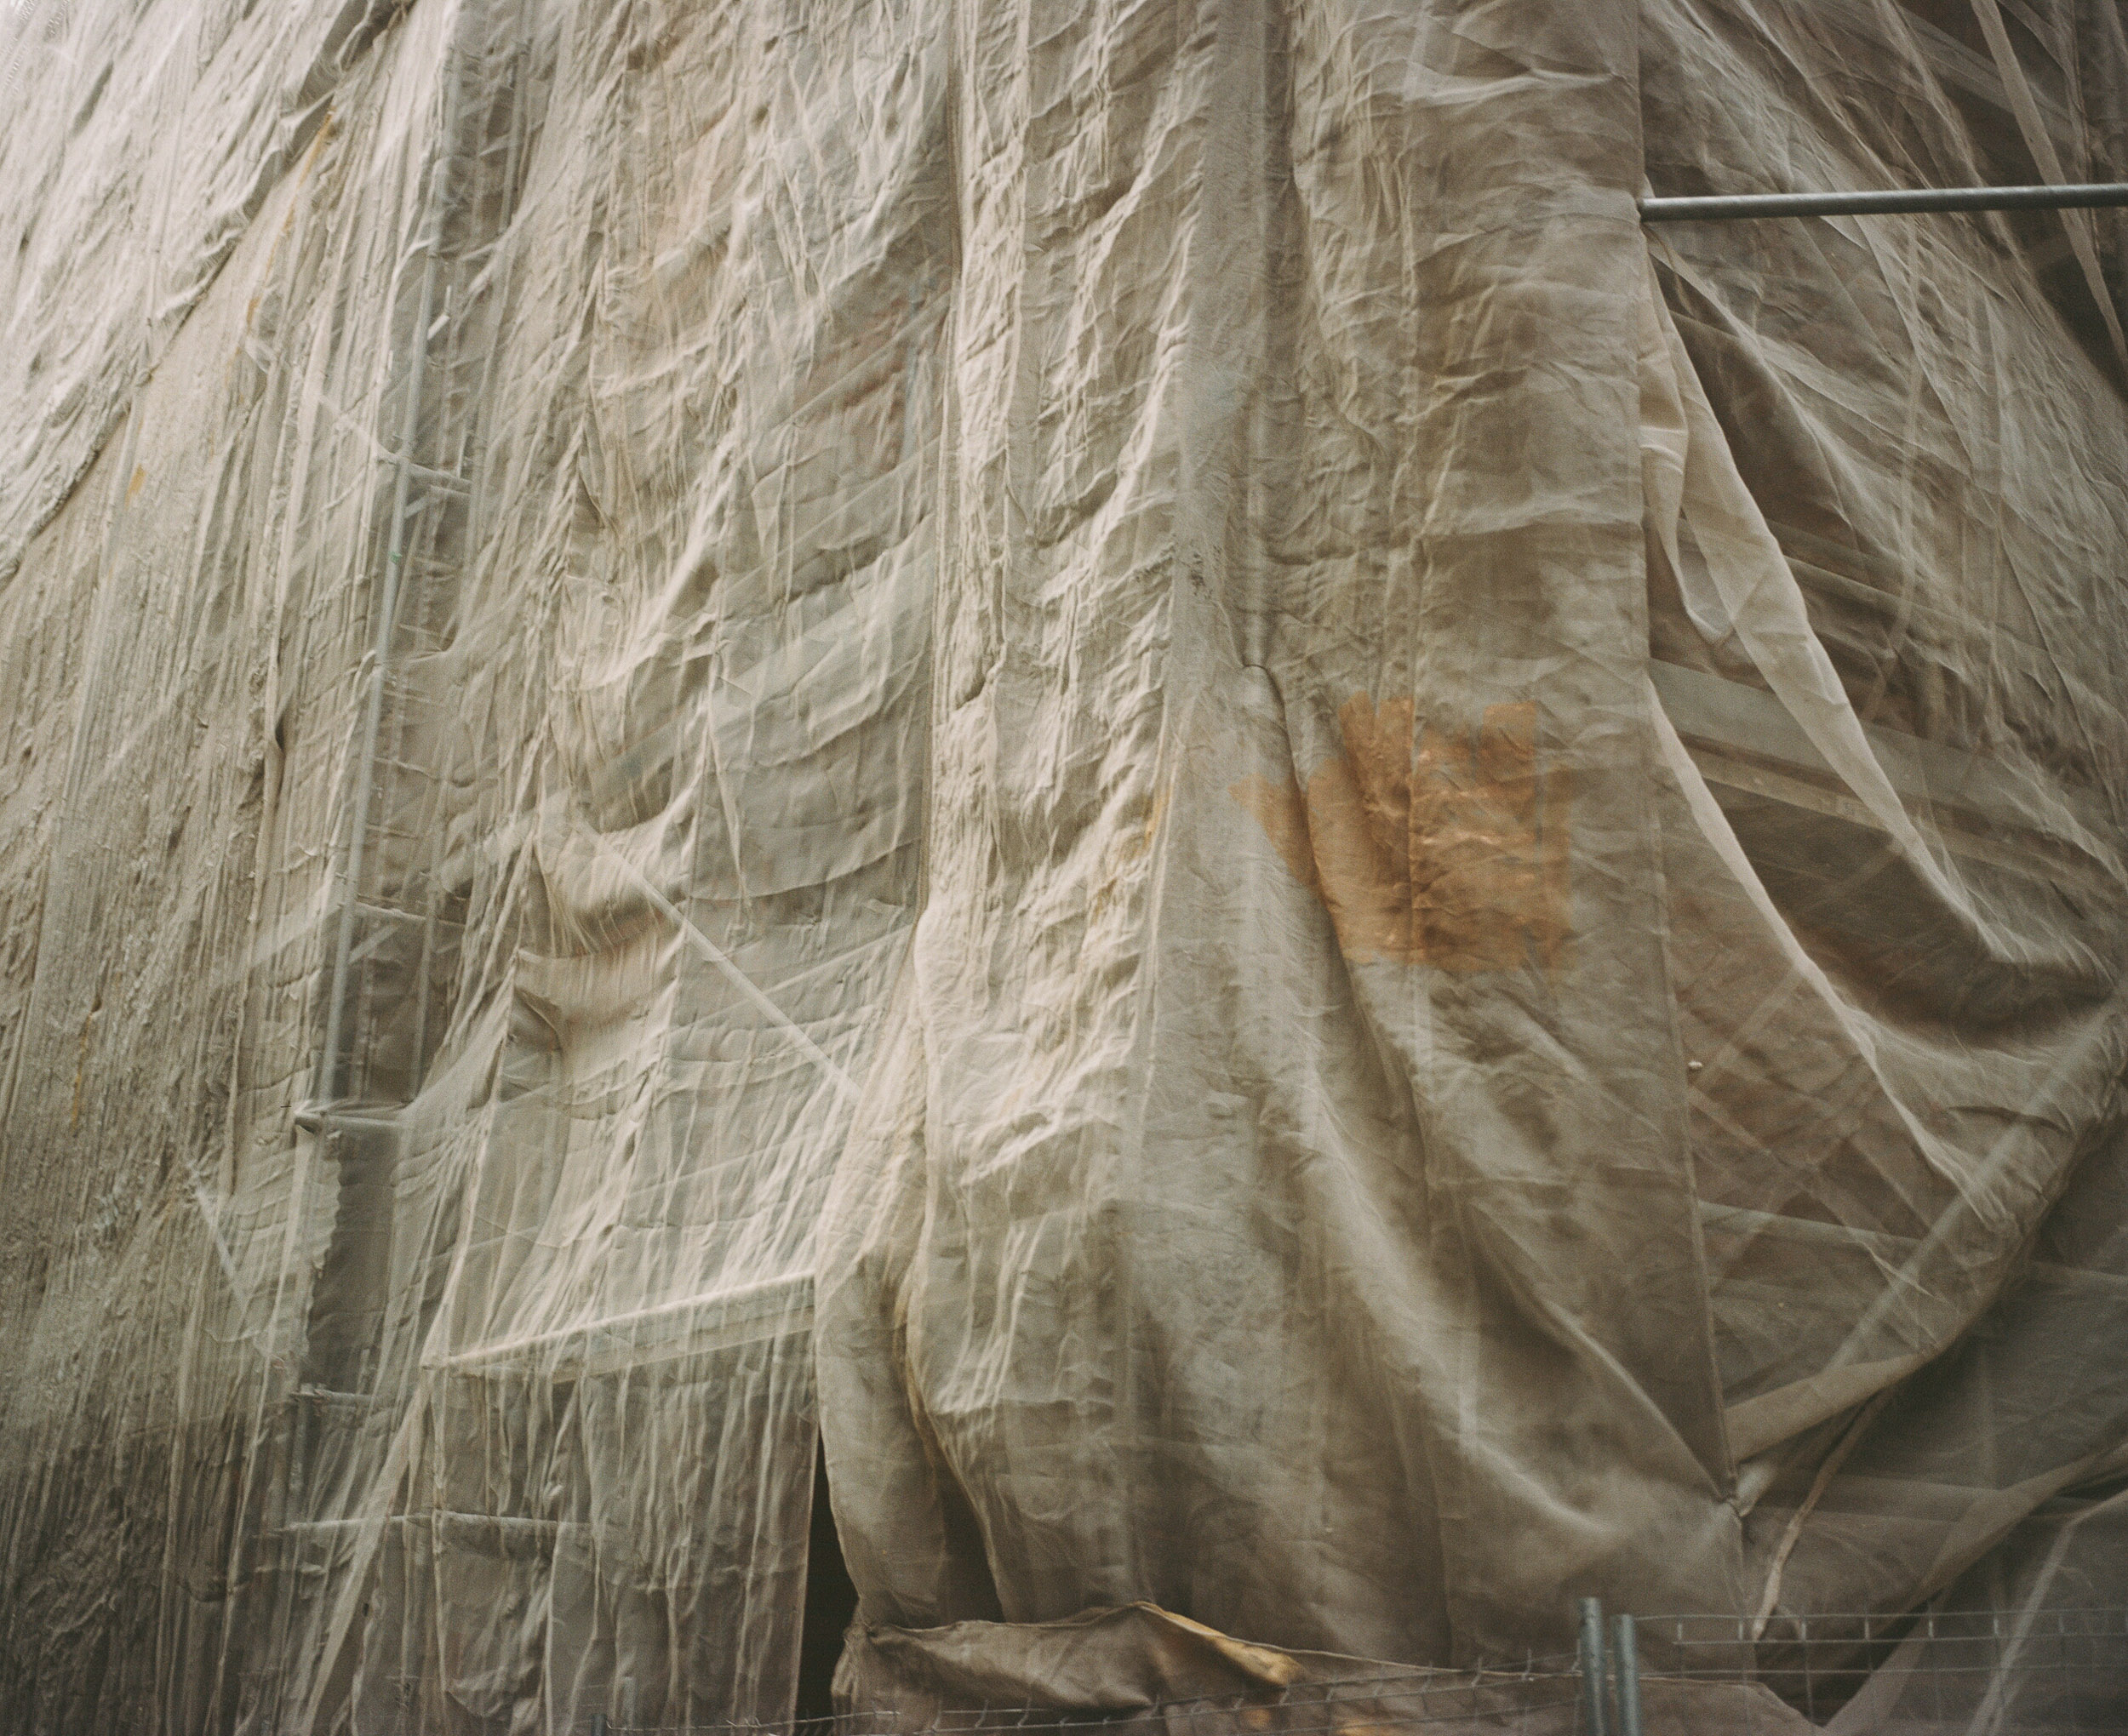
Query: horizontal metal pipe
pixel 1890 201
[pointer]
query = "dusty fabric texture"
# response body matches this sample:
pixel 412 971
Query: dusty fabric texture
pixel 1101 752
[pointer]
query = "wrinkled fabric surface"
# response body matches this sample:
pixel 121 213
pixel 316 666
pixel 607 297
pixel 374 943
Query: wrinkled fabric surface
pixel 1105 1660
pixel 1100 753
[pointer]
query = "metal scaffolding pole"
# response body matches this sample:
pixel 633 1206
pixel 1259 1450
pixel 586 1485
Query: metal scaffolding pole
pixel 1888 202
pixel 1595 1673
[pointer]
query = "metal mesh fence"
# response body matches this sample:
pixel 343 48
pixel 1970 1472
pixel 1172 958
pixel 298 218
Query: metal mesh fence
pixel 1969 1673
pixel 1502 1699
pixel 1987 1672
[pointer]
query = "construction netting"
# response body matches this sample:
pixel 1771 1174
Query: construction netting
pixel 1101 754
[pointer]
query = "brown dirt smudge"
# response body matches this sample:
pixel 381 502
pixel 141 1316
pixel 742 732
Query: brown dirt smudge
pixel 1449 850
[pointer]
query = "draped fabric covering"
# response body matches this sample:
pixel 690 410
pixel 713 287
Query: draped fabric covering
pixel 1099 754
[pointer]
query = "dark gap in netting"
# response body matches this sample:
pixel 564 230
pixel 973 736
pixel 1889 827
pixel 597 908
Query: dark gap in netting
pixel 831 1601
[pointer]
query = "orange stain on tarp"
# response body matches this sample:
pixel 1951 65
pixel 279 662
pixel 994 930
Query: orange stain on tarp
pixel 1449 851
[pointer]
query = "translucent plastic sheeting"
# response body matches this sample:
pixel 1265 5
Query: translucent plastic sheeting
pixel 1101 752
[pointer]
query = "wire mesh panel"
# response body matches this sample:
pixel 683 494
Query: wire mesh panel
pixel 1541 1697
pixel 2035 1673
pixel 1544 1698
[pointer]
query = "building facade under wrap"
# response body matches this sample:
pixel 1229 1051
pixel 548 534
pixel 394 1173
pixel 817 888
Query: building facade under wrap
pixel 1101 759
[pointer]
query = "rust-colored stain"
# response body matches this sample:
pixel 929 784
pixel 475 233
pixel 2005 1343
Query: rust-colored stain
pixel 1449 851
pixel 139 476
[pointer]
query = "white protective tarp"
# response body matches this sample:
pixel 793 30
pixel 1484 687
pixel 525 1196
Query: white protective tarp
pixel 1100 751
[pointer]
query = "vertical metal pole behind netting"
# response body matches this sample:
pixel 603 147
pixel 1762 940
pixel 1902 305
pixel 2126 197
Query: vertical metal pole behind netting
pixel 1593 1670
pixel 1625 1652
